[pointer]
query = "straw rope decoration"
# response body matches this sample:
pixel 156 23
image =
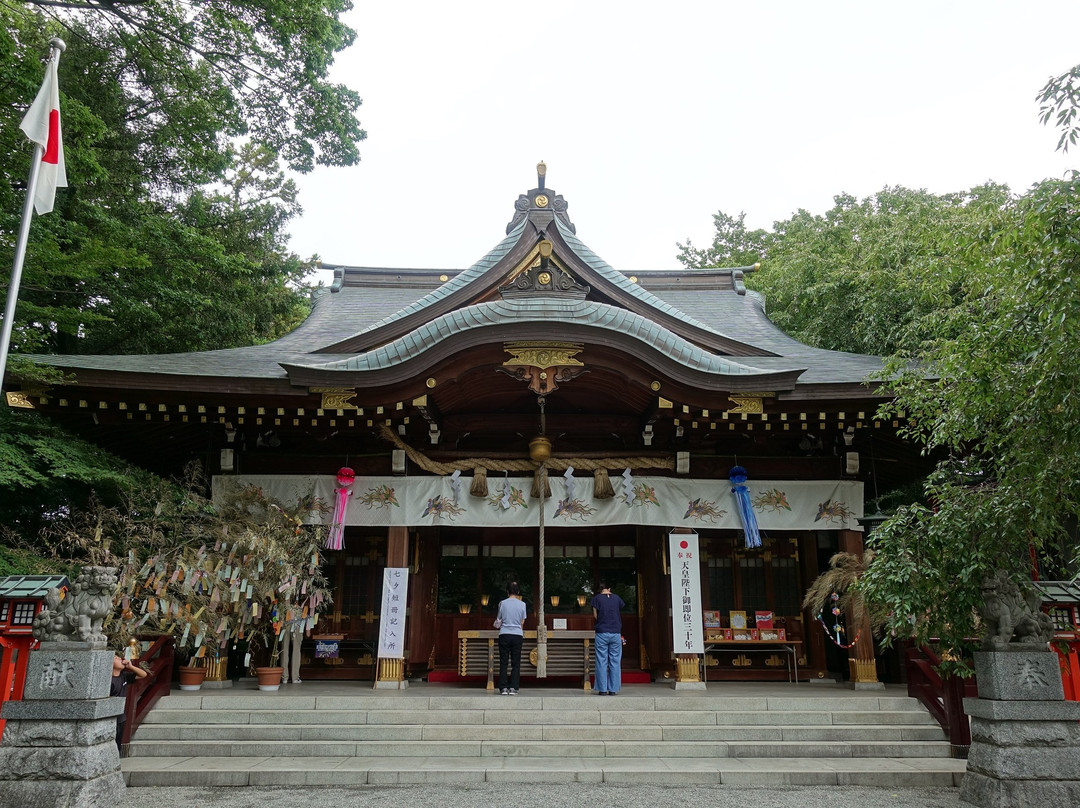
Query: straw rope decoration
pixel 480 466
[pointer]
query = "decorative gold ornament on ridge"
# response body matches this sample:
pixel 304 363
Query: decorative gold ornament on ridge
pixel 746 404
pixel 336 398
pixel 543 354
pixel 543 364
pixel 20 399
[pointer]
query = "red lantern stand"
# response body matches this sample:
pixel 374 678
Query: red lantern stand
pixel 21 598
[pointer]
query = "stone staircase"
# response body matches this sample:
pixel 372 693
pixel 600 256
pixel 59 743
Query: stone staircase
pixel 739 734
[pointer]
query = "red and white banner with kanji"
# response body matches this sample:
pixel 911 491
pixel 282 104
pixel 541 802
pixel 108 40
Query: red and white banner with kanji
pixel 686 625
pixel 392 618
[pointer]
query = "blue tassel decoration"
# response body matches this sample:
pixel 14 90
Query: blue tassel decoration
pixel 737 475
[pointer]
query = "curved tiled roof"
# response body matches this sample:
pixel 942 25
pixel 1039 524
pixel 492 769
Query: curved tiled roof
pixel 369 299
pixel 618 279
pixel 565 311
pixel 722 308
pixel 458 282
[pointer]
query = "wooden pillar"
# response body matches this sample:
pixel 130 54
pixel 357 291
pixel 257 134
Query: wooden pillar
pixel 397 547
pixel 861 662
pixel 392 671
pixel 813 637
pixel 423 600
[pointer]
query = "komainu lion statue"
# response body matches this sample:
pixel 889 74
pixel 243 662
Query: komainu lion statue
pixel 1008 616
pixel 78 617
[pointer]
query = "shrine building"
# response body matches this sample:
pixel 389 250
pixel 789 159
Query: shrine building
pixel 445 391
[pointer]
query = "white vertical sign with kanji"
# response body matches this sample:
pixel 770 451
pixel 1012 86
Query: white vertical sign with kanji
pixel 686 626
pixel 395 590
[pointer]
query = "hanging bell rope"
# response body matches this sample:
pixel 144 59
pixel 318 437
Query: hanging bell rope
pixel 541 625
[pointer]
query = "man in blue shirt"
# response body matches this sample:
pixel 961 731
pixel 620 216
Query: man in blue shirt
pixel 606 609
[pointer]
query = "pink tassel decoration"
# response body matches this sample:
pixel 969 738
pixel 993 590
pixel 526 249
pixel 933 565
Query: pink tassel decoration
pixel 335 539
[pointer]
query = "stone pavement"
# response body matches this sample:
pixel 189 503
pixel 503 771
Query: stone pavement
pixel 538 795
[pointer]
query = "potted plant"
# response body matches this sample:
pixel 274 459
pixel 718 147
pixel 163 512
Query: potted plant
pixel 269 676
pixel 191 676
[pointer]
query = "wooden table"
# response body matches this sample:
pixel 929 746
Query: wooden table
pixel 570 653
pixel 791 647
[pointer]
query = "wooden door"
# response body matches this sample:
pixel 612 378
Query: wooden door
pixel 356 575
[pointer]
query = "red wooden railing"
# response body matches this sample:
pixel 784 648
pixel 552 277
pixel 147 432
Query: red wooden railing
pixel 942 696
pixel 142 694
pixel 1068 652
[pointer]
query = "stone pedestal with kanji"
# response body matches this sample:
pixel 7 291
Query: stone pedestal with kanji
pixel 59 743
pixel 1025 739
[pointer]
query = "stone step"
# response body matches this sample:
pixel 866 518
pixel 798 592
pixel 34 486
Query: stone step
pixel 403 700
pixel 547 749
pixel 536 732
pixel 344 770
pixel 749 735
pixel 541 716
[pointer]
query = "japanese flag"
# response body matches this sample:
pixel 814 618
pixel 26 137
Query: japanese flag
pixel 42 125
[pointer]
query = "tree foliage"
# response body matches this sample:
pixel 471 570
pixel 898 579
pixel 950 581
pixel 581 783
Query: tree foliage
pixel 1004 405
pixel 732 246
pixel 189 76
pixel 872 276
pixel 46 473
pixel 1059 102
pixel 177 116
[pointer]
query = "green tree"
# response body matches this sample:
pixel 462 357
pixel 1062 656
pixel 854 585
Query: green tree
pixel 732 246
pixel 172 236
pixel 1059 101
pixel 875 276
pixel 194 75
pixel 46 473
pixel 1004 406
pixel 881 274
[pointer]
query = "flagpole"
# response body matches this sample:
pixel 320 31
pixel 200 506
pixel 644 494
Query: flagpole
pixel 56 47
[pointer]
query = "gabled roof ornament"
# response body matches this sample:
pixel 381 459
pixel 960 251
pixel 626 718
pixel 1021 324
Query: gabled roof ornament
pixel 545 279
pixel 540 205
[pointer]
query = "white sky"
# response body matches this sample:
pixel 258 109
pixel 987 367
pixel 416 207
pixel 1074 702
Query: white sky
pixel 651 120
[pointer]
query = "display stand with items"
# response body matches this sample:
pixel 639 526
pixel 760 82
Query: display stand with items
pixel 764 637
